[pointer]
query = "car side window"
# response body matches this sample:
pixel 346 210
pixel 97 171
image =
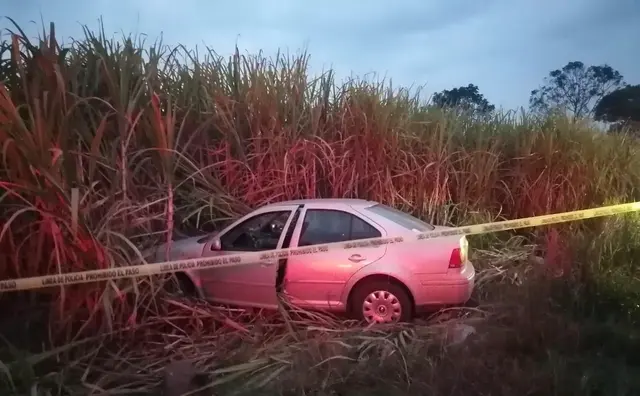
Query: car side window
pixel 329 226
pixel 257 233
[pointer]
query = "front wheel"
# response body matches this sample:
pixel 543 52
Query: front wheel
pixel 186 287
pixel 381 302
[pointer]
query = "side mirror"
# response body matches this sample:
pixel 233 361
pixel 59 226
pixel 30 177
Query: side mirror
pixel 216 244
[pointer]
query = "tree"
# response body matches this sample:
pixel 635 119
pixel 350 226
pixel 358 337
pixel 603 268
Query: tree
pixel 468 98
pixel 620 108
pixel 575 88
pixel 622 105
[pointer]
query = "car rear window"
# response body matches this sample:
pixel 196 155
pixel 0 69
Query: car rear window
pixel 401 218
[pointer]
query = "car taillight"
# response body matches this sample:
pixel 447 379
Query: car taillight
pixel 455 261
pixel 459 255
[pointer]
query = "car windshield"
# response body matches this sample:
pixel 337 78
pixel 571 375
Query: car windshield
pixel 213 228
pixel 402 219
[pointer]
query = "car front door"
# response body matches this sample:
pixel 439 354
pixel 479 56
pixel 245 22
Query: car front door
pixel 317 281
pixel 252 285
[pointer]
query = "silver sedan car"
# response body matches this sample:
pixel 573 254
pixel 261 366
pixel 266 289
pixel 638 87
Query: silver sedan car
pixel 387 283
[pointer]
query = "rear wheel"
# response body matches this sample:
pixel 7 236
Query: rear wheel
pixel 381 302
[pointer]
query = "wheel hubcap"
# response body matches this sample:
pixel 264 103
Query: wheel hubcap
pixel 381 307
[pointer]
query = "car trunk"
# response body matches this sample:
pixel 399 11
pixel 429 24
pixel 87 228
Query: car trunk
pixel 435 256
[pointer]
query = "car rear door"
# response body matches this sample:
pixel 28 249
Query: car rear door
pixel 252 285
pixel 317 281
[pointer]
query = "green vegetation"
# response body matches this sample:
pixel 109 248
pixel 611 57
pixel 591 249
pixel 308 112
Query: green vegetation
pixel 621 108
pixel 160 141
pixel 576 89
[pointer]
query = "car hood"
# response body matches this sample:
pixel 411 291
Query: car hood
pixel 435 228
pixel 179 250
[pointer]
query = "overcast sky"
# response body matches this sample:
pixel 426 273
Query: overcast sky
pixel 506 47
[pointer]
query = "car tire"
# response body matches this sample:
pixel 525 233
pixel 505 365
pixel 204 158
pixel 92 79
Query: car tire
pixel 388 292
pixel 186 287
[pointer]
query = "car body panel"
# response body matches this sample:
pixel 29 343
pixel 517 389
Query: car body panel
pixel 247 285
pixel 318 281
pixel 451 288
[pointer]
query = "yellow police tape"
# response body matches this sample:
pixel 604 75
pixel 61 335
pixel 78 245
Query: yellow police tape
pixel 246 258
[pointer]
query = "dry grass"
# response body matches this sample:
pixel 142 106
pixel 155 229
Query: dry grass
pixel 160 141
pixel 520 343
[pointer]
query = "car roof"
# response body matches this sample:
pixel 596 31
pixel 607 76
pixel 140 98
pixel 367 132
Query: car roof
pixel 327 202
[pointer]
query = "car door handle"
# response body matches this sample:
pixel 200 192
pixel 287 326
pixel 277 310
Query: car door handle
pixel 268 264
pixel 356 258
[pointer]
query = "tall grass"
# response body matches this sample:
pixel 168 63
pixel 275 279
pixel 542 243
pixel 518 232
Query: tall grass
pixel 163 141
pixel 159 139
